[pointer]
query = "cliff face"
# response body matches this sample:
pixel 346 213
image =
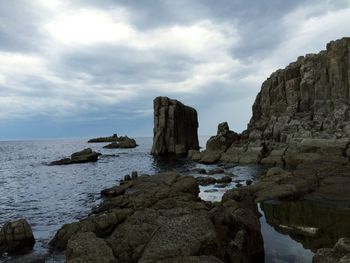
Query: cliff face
pixel 309 98
pixel 301 114
pixel 175 127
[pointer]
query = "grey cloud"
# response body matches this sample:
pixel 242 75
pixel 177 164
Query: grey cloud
pixel 20 26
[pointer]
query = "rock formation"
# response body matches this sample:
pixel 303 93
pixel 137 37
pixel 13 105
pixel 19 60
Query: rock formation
pixel 340 253
pixel 84 156
pixel 175 127
pixel 113 138
pixel 161 219
pixel 16 237
pixel 301 114
pixel 125 143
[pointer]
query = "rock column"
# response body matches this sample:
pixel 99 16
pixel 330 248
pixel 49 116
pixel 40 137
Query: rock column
pixel 175 127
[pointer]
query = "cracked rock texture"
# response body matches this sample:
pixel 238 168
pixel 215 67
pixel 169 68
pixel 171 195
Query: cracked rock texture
pixel 175 127
pixel 301 114
pixel 160 218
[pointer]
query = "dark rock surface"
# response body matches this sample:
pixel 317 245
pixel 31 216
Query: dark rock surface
pixel 319 180
pixel 161 219
pixel 125 143
pixel 340 253
pixel 16 237
pixel 84 156
pixel 175 127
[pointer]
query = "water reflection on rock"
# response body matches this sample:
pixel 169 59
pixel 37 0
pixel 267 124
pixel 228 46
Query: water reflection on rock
pixel 313 224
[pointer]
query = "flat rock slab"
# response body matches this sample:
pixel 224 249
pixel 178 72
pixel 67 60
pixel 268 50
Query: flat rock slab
pixel 160 218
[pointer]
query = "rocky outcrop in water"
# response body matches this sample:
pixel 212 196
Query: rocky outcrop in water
pixel 113 138
pixel 301 114
pixel 161 219
pixel 175 127
pixel 125 143
pixel 84 156
pixel 16 237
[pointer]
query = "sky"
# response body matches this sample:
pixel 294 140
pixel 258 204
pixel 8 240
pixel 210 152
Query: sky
pixel 84 68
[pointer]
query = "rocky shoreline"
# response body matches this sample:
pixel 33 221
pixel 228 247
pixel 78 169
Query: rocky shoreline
pixel 300 128
pixel 161 219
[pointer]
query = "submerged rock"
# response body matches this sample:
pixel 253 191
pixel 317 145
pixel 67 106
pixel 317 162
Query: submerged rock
pixel 161 219
pixel 175 127
pixel 84 156
pixel 16 237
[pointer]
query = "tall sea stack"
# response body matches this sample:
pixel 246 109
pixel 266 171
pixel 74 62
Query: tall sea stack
pixel 175 127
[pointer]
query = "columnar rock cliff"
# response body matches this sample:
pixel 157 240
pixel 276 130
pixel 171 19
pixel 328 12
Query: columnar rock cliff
pixel 175 127
pixel 309 98
pixel 301 114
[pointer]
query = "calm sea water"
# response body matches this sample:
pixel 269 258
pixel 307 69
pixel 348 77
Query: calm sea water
pixel 50 196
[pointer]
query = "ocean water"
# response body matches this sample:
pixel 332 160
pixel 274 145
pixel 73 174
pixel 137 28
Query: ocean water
pixel 50 196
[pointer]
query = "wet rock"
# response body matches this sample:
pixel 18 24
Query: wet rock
pixel 248 182
pixel 16 237
pixel 86 247
pixel 113 138
pixel 84 156
pixel 199 171
pixel 134 175
pixel 205 180
pixel 126 143
pixel 194 155
pixel 224 180
pixel 127 178
pixel 161 219
pixel 175 127
pixel 238 185
pixel 339 253
pixel 217 170
pixel 209 157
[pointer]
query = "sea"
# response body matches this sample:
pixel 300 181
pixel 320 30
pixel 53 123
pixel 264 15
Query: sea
pixel 50 196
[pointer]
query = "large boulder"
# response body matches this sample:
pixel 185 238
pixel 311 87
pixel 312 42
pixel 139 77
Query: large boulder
pixel 84 156
pixel 161 219
pixel 16 237
pixel 223 139
pixel 175 127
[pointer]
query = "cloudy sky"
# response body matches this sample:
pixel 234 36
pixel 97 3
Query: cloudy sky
pixel 77 68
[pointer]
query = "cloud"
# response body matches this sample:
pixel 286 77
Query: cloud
pixel 104 61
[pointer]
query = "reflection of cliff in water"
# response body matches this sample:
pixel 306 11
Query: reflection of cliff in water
pixel 313 224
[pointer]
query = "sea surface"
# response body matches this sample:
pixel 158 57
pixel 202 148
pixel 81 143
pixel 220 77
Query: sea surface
pixel 50 196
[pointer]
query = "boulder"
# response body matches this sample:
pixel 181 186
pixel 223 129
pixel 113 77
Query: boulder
pixel 205 180
pixel 86 247
pixel 223 139
pixel 84 156
pixel 175 127
pixel 210 157
pixel 16 237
